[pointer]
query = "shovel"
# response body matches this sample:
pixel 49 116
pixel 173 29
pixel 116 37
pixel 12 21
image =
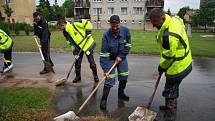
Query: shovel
pixel 62 81
pixel 144 114
pixel 48 65
pixel 71 115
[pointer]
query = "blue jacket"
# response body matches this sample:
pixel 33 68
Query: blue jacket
pixel 113 47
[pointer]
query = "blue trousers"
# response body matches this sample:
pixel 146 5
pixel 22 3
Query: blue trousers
pixel 122 69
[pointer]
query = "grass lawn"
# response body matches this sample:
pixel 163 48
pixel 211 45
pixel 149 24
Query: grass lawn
pixel 142 43
pixel 24 104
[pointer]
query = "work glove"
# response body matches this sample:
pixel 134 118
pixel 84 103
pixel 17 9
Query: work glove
pixel 161 70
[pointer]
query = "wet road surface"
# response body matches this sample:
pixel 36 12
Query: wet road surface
pixel 196 101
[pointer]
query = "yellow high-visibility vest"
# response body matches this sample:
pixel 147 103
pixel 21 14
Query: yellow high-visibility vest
pixel 174 46
pixel 77 31
pixel 5 41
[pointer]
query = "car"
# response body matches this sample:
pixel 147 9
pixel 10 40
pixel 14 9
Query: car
pixel 52 22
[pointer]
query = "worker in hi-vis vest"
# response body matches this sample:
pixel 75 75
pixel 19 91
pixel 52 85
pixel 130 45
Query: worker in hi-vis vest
pixel 176 58
pixel 75 32
pixel 6 44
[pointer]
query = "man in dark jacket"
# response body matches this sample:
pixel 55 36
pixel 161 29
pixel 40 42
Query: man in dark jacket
pixel 42 31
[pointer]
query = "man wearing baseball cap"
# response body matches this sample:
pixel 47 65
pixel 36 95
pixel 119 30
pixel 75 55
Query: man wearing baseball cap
pixel 116 43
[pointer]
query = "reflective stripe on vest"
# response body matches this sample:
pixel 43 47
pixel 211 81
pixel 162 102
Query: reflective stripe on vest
pixel 182 42
pixel 5 40
pixel 79 31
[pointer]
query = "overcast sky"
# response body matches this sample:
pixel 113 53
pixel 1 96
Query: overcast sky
pixel 173 5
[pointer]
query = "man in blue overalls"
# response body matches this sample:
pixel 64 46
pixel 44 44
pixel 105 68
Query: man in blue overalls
pixel 116 43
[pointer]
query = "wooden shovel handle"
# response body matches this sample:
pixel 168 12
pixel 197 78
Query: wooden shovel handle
pixel 95 89
pixel 153 94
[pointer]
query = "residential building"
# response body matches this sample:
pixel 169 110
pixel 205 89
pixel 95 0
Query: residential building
pixel 82 9
pixel 22 10
pixel 150 4
pixel 131 13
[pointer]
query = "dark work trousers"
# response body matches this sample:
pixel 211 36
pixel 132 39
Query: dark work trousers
pixel 90 60
pixel 45 47
pixel 171 90
pixel 7 57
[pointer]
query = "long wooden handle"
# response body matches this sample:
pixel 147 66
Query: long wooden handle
pixel 153 94
pixel 38 45
pixel 70 70
pixel 95 89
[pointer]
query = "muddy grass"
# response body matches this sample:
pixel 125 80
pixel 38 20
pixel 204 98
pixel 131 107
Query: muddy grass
pixel 24 100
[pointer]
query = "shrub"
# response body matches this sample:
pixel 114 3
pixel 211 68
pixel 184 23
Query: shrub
pixel 5 27
pixel 27 29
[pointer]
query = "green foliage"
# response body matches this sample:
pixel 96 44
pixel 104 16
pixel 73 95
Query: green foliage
pixel 169 12
pixel 68 6
pixel 59 12
pixel 27 29
pixel 4 27
pixel 45 9
pixel 195 19
pixel 183 11
pixel 7 10
pixel 207 13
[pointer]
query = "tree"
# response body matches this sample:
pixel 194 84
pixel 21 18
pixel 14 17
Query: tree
pixel 195 19
pixel 207 14
pixel 183 11
pixel 169 12
pixel 69 8
pixel 58 12
pixel 7 10
pixel 45 9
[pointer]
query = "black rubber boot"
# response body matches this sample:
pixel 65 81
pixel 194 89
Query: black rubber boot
pixel 77 77
pixel 164 107
pixel 103 103
pixel 95 75
pixel 121 93
pixel 170 114
pixel 44 71
pixel 96 78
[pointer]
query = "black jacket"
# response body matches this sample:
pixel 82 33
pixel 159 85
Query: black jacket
pixel 41 30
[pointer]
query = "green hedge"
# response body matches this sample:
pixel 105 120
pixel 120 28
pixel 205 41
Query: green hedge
pixel 16 28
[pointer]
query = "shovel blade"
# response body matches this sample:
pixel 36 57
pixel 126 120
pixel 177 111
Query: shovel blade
pixel 60 82
pixel 67 116
pixel 142 114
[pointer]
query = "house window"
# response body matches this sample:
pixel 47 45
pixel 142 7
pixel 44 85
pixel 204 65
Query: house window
pixel 137 10
pixel 97 11
pixel 8 1
pixel 110 10
pixel 124 11
pixel 138 0
pixel 97 0
pixel 110 0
